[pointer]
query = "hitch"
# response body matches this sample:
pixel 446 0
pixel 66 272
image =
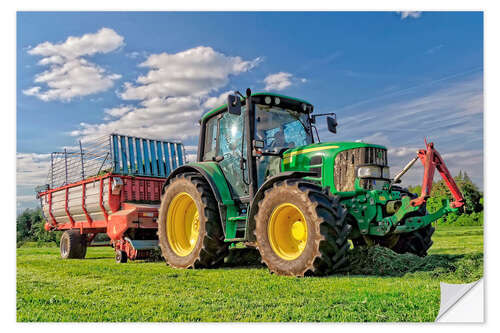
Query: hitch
pixel 431 160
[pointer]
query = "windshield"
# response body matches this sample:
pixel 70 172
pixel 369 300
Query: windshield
pixel 281 128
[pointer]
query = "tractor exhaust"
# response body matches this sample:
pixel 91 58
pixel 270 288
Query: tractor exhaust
pixel 397 179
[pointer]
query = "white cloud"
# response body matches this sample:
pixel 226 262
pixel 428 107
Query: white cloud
pixel 70 148
pixel 434 49
pixel 104 41
pixel 410 14
pixel 69 74
pixel 403 151
pixel 194 72
pixel 136 54
pixel 119 111
pixel 32 169
pixel 159 118
pixel 25 198
pixel 172 95
pixel 378 138
pixel 216 101
pixel 281 80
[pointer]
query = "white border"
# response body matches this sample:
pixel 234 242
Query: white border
pixel 8 136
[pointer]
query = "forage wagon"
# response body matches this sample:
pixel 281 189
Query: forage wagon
pixel 111 185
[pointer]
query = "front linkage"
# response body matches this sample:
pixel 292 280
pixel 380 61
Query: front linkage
pixel 367 207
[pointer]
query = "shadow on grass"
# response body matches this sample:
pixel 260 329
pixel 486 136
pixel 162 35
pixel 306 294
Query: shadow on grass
pixel 241 257
pixel 372 261
pixel 381 261
pixel 96 258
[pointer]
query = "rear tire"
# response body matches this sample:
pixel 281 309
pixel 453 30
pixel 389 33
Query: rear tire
pixel 301 229
pixel 73 245
pixel 189 227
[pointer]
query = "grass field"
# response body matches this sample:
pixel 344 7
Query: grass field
pixel 98 289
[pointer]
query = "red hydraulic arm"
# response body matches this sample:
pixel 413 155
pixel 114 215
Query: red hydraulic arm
pixel 431 160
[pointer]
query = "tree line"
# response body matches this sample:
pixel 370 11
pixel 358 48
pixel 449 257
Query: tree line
pixel 30 228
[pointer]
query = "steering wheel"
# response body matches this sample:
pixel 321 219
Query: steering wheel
pixel 278 140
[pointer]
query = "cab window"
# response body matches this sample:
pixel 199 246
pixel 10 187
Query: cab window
pixel 232 147
pixel 210 145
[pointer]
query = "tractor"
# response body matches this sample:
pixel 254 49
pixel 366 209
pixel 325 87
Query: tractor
pixel 264 179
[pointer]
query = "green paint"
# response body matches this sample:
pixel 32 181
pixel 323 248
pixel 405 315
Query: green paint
pixel 215 173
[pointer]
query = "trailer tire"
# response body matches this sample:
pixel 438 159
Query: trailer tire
pixel 301 229
pixel 189 228
pixel 73 244
pixel 120 257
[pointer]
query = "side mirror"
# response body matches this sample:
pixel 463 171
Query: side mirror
pixel 234 105
pixel 332 124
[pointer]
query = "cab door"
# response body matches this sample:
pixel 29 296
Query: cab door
pixel 232 147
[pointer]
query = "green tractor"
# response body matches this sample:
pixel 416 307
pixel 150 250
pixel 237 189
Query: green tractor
pixel 263 179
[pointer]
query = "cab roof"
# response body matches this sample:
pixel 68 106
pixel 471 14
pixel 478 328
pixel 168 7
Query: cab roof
pixel 210 113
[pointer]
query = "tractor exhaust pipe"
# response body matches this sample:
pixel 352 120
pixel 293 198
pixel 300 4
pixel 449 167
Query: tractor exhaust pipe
pixel 396 179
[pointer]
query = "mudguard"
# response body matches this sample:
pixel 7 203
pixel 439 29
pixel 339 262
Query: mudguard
pixel 254 204
pixel 217 182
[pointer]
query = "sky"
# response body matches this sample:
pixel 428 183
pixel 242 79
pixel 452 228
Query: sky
pixel 393 78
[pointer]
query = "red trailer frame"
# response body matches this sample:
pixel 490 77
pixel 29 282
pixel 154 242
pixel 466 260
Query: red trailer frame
pixel 133 201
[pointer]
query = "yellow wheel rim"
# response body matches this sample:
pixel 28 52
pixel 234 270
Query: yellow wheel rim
pixel 287 231
pixel 183 224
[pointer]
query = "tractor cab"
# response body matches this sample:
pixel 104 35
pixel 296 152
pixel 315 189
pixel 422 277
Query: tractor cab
pixel 276 124
pixel 277 129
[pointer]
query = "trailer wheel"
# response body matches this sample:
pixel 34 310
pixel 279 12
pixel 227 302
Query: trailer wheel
pixel 73 245
pixel 121 257
pixel 301 229
pixel 189 228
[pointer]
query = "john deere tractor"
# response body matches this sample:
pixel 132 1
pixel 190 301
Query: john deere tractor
pixel 263 178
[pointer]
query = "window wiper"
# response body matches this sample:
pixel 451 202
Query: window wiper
pixel 300 121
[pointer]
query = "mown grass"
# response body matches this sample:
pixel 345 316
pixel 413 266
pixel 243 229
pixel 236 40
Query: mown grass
pixel 98 289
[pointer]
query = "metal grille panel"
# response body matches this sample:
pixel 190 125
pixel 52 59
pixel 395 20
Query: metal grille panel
pixel 347 161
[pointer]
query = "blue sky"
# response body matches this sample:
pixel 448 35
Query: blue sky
pixel 393 78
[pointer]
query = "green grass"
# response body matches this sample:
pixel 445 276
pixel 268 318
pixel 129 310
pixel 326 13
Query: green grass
pixel 98 289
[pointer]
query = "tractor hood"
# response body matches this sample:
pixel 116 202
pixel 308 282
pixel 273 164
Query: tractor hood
pixel 326 148
pixel 336 163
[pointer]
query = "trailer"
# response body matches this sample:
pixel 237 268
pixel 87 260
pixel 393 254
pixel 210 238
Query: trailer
pixel 111 185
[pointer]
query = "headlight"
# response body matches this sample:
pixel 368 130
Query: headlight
pixel 369 171
pixel 385 173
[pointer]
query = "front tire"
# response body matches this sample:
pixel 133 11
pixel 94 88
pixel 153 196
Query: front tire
pixel 73 245
pixel 416 242
pixel 189 228
pixel 301 229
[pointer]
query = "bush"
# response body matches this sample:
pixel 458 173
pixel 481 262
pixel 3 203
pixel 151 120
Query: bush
pixel 30 227
pixel 473 219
